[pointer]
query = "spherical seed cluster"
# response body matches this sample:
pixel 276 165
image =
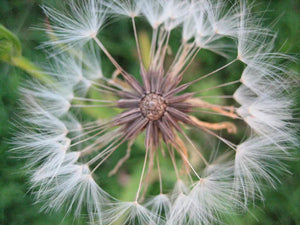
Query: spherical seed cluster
pixel 153 106
pixel 65 150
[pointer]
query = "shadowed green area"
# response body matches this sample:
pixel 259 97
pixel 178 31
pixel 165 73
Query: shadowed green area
pixel 281 207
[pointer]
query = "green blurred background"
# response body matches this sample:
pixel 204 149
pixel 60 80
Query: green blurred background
pixel 282 206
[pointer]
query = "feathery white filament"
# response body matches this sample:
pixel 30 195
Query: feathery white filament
pixel 129 213
pixel 257 159
pixel 79 24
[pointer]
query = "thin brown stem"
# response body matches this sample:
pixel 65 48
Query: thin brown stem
pixel 104 91
pixel 159 174
pixel 172 155
pixel 217 96
pixel 185 86
pixel 195 148
pixel 89 138
pixel 213 113
pixel 142 176
pixel 122 160
pixel 185 159
pixel 215 71
pixel 219 86
pixel 104 86
pixel 191 61
pixel 163 56
pixel 109 56
pixel 153 44
pixel 137 42
pixel 228 111
pixel 92 106
pixel 93 100
pixel 110 152
pixel 94 159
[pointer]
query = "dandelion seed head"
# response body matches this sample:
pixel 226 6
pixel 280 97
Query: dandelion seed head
pixel 71 127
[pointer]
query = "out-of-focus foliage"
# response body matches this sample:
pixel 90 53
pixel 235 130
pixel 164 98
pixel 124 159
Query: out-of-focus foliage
pixel 10 46
pixel 11 53
pixel 282 206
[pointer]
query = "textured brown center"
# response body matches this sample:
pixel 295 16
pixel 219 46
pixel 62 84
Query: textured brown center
pixel 153 106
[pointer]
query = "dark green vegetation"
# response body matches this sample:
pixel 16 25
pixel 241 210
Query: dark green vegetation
pixel 282 206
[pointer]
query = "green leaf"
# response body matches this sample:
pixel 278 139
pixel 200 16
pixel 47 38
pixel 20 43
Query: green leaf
pixel 10 45
pixel 11 52
pixel 30 68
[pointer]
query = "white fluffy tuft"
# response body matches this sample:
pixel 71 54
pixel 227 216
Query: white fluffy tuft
pixel 160 206
pixel 74 187
pixel 79 24
pixel 257 162
pixel 129 213
pixel 129 8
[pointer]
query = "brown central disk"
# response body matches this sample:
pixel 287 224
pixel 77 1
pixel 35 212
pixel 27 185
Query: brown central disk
pixel 153 106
